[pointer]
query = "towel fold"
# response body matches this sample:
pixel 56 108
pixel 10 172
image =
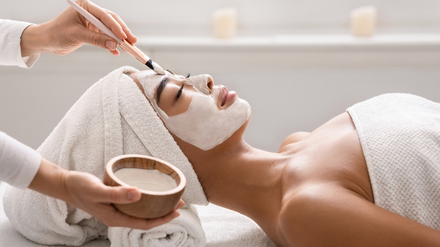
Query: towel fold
pixel 112 118
pixel 181 232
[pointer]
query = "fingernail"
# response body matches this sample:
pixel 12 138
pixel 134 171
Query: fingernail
pixel 131 195
pixel 111 45
pixel 123 34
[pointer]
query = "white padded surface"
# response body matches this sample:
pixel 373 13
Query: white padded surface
pixel 223 228
pixel 226 228
pixel 10 237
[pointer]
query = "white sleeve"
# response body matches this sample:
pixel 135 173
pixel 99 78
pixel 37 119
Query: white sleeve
pixel 18 163
pixel 10 38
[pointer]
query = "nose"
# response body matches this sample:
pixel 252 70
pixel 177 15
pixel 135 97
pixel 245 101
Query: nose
pixel 202 83
pixel 210 83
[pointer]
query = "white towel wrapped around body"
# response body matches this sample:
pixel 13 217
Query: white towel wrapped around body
pixel 112 118
pixel 400 138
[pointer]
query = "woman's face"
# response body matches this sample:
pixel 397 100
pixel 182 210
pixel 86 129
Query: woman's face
pixel 193 108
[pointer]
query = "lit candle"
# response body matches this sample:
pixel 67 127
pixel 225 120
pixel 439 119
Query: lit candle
pixel 225 23
pixel 363 21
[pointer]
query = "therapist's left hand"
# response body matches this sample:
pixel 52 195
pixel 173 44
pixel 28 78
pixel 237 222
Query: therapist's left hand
pixel 70 30
pixel 87 192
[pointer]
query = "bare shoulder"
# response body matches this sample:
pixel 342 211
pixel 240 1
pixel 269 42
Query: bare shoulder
pixel 315 215
pixel 329 215
pixel 299 214
pixel 295 137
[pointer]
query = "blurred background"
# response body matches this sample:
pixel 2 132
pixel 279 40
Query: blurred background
pixel 297 62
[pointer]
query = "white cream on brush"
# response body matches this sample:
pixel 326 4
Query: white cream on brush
pixel 151 180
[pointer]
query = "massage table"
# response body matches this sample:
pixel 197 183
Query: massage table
pixel 223 228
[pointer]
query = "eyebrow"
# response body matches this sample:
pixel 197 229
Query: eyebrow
pixel 160 88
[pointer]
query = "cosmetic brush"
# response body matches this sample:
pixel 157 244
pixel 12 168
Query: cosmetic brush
pixel 123 44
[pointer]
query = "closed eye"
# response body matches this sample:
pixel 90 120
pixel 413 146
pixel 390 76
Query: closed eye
pixel 179 92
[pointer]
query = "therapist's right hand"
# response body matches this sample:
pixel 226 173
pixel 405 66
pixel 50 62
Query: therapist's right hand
pixel 70 30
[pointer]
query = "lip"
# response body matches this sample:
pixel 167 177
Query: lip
pixel 225 93
pixel 227 96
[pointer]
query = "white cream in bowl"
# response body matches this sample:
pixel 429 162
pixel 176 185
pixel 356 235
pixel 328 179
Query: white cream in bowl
pixel 151 180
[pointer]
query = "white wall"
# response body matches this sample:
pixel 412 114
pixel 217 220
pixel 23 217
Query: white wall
pixel 254 16
pixel 295 86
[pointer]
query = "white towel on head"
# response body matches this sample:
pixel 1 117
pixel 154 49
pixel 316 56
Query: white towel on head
pixel 112 118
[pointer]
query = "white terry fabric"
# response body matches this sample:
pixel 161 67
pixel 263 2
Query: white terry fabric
pixel 18 162
pixel 183 231
pixel 400 138
pixel 226 228
pixel 10 39
pixel 223 228
pixel 9 237
pixel 112 118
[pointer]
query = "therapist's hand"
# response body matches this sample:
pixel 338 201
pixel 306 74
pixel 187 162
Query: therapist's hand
pixel 70 30
pixel 87 192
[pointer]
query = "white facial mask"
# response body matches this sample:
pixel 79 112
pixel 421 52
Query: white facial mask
pixel 203 124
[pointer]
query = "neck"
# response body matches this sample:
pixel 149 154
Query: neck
pixel 243 179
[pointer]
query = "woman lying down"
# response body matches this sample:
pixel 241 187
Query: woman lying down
pixel 368 177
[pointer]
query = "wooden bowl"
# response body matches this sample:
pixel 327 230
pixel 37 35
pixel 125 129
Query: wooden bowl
pixel 153 204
